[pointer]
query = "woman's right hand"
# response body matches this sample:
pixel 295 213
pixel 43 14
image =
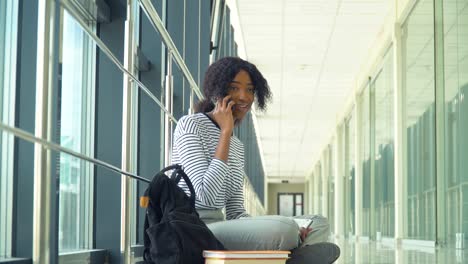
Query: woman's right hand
pixel 222 114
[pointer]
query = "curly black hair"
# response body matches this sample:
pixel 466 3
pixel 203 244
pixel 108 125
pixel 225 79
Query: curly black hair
pixel 220 74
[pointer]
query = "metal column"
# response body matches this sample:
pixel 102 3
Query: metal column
pixel 441 228
pixel 167 119
pixel 316 179
pixel 400 136
pixel 325 178
pixel 128 133
pixel 42 230
pixel 358 165
pixel 372 114
pixel 340 180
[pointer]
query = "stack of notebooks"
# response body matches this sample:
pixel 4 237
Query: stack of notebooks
pixel 245 257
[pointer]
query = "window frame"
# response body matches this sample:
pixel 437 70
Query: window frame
pixel 7 116
pixel 294 205
pixel 86 225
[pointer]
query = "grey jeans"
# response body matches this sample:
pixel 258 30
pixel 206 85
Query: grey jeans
pixel 269 232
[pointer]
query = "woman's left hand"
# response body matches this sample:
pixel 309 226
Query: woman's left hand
pixel 303 232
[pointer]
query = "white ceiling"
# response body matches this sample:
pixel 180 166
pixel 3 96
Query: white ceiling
pixel 310 51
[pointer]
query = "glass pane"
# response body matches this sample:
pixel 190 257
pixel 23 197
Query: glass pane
pixel 331 189
pixel 384 155
pixel 75 133
pixel 456 116
pixel 3 23
pixel 151 151
pixel 418 60
pixel 8 43
pixel 298 210
pixel 299 205
pixel 319 184
pixel 2 73
pixel 350 174
pixel 365 159
pixel 298 199
pixel 286 204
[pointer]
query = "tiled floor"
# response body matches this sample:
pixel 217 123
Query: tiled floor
pixel 385 253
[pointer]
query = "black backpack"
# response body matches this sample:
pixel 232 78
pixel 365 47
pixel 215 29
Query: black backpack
pixel 174 232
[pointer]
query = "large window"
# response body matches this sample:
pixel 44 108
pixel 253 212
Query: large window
pixel 384 154
pixel 350 176
pixel 318 180
pixel 418 67
pixel 364 150
pixel 331 186
pixel 290 204
pixel 8 28
pixel 76 133
pixel 456 116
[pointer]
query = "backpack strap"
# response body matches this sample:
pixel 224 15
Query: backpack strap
pixel 171 167
pixel 176 175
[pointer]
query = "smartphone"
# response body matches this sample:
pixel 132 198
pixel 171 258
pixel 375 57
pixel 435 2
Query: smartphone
pixel 215 100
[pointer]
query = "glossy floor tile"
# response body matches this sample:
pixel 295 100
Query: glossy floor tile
pixel 385 253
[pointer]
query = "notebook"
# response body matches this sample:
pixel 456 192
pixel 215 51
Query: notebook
pixel 245 257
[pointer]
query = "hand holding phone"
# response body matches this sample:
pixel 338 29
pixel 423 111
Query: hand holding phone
pixel 215 102
pixel 222 114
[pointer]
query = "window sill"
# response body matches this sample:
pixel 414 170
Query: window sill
pixel 137 254
pixel 84 256
pixel 15 260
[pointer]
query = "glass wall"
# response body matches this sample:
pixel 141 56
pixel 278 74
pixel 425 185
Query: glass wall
pixel 377 132
pixel 384 155
pixel 253 163
pixel 89 112
pixel 418 81
pixel 350 175
pixel 176 26
pixel 456 115
pixel 331 186
pixel 364 150
pixel 8 43
pixel 76 133
pixel 318 181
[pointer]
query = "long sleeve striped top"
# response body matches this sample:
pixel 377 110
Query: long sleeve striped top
pixel 217 184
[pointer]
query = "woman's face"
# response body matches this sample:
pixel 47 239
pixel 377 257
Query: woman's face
pixel 242 93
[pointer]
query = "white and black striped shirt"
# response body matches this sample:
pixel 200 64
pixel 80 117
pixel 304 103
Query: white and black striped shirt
pixel 217 184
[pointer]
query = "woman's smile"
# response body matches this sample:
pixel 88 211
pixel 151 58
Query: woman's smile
pixel 242 107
